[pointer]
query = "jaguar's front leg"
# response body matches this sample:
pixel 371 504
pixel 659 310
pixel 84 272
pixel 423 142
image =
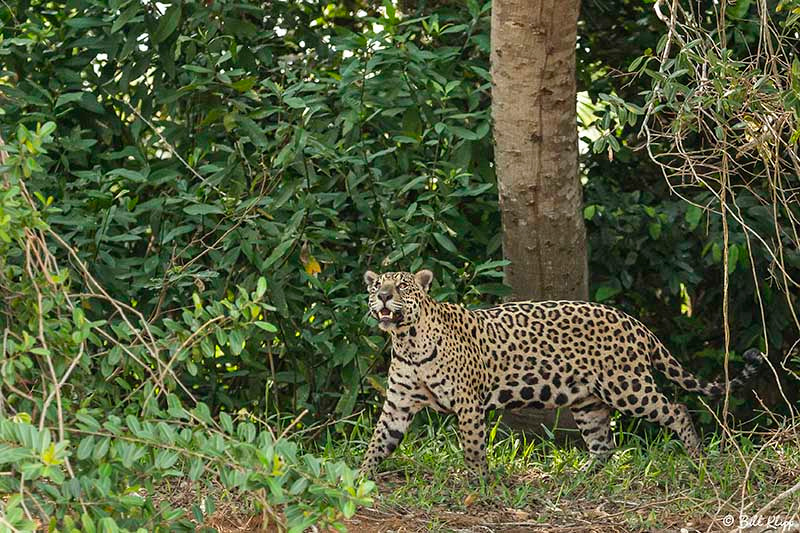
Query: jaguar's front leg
pixel 396 415
pixel 472 427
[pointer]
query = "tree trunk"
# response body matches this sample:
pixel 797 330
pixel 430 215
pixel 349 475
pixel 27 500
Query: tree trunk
pixel 536 153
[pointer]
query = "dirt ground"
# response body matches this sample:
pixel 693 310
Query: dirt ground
pixel 395 520
pixel 578 516
pixel 584 517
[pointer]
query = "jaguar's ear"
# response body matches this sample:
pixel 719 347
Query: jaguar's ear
pixel 424 278
pixel 370 277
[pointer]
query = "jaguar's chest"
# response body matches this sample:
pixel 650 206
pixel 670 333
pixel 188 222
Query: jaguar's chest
pixel 422 363
pixel 416 347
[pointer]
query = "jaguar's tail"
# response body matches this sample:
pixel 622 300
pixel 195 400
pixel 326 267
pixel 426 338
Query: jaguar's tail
pixel 665 363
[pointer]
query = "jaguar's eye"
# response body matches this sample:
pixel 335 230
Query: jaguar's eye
pixel 402 285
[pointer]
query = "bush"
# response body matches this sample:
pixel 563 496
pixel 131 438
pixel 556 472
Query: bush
pixel 215 144
pixel 722 250
pixel 90 425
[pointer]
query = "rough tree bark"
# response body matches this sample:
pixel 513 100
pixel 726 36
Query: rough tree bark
pixel 536 153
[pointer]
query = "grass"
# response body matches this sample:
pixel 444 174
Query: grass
pixel 650 484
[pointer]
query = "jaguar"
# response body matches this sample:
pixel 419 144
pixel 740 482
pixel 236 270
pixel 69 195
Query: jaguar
pixel 585 356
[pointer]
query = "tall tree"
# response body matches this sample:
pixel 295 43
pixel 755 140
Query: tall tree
pixel 533 107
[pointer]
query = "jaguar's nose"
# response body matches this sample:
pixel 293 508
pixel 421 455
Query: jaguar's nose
pixel 384 295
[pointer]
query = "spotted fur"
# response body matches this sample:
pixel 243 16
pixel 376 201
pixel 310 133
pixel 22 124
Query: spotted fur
pixel 585 356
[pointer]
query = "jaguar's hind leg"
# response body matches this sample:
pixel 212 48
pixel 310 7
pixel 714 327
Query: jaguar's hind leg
pixel 594 422
pixel 654 406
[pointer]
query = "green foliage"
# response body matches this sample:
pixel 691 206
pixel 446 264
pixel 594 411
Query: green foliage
pixel 89 427
pixel 214 144
pixel 658 246
pixel 119 463
pixel 194 230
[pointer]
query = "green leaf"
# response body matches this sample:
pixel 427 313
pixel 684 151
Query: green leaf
pixel 132 500
pixel 266 326
pixel 84 23
pixel 605 292
pixel 125 16
pixel 196 470
pixel 261 287
pixel 88 422
pixel 47 128
pixel 198 69
pixel 168 23
pixel 132 175
pixel 299 486
pixel 236 341
pixel 739 9
pixel 108 525
pixel 733 258
pixel 227 422
pixel 276 254
pixel 13 454
pixel 166 459
pixel 654 228
pixel 348 399
pixel 464 133
pixel 253 131
pixel 87 523
pixel 349 509
pixel 476 191
pixel 285 155
pixel 635 63
pixel 294 102
pixel 101 449
pixel 245 84
pixel 445 242
pixel 482 72
pixel 795 71
pixel 491 265
pixel 402 252
pixel 67 98
pixel 203 209
pixel 693 216
pixel 314 464
pixel 85 448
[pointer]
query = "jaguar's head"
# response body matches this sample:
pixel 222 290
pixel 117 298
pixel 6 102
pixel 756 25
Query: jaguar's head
pixel 396 298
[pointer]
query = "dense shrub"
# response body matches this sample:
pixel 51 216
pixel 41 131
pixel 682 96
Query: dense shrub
pixel 91 429
pixel 664 243
pixel 205 147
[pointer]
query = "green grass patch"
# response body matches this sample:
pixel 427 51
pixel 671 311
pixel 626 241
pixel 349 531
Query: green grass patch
pixel 650 482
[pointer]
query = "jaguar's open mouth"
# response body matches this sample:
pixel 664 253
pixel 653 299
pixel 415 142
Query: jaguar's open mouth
pixel 386 316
